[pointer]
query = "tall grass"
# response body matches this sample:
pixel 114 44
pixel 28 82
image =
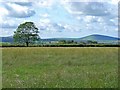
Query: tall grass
pixel 60 67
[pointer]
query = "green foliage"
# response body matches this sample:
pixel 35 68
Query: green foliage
pixel 62 41
pixel 58 45
pixel 60 67
pixel 67 42
pixel 92 42
pixel 0 44
pixel 26 33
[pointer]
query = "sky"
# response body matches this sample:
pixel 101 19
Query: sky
pixel 61 18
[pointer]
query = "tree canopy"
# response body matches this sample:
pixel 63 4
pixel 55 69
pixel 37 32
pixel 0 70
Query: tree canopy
pixel 26 33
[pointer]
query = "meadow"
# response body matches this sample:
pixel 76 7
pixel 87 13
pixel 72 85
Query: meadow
pixel 60 67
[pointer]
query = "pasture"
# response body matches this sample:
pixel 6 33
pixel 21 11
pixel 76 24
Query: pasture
pixel 60 67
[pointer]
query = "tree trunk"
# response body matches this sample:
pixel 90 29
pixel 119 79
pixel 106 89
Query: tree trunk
pixel 27 44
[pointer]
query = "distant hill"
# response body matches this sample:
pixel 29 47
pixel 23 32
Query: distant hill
pixel 7 39
pixel 94 37
pixel 58 39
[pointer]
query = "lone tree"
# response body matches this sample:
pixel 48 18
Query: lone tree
pixel 26 33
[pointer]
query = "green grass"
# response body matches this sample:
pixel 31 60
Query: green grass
pixel 60 67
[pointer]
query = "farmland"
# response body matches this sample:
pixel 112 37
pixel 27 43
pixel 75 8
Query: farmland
pixel 60 67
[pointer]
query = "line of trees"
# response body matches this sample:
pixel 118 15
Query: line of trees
pixel 74 42
pixel 67 42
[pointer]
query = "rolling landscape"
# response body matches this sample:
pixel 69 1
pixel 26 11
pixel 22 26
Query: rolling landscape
pixel 58 44
pixel 60 67
pixel 94 37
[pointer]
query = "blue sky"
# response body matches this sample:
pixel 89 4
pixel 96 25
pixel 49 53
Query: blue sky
pixel 61 18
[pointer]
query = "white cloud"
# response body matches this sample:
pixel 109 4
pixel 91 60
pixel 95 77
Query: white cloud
pixel 109 1
pixel 6 32
pixel 15 0
pixel 17 11
pixel 45 3
pixel 45 15
pixel 3 12
pixel 114 1
pixel 88 19
pixel 45 21
pixel 85 8
pixel 8 24
pixel 93 11
pixel 91 7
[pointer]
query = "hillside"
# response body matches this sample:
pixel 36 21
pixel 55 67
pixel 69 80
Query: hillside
pixel 96 37
pixel 7 39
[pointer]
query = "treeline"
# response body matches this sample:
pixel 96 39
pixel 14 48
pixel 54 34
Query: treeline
pixel 59 45
pixel 75 42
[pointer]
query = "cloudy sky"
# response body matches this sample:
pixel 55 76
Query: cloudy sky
pixel 61 18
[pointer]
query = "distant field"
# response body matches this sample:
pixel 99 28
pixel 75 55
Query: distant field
pixel 60 67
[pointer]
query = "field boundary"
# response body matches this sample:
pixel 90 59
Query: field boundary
pixel 63 45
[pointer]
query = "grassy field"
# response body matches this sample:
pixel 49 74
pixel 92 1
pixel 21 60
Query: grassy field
pixel 60 67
